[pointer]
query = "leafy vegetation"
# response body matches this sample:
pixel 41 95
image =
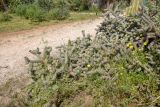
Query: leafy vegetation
pixel 36 10
pixel 19 23
pixel 27 13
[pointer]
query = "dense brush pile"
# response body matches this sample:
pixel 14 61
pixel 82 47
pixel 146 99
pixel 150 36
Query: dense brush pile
pixel 138 33
pixel 119 67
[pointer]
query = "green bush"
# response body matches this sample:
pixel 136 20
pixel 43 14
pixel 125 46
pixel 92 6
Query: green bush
pixel 62 3
pixel 46 4
pixel 85 5
pixel 20 10
pixel 61 10
pixel 50 4
pixel 4 17
pixel 80 5
pixel 31 11
pixel 74 4
pixel 13 4
pixel 51 14
pixel 40 10
pixel 58 13
pixel 27 1
pixel 35 13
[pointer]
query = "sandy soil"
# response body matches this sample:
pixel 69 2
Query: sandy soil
pixel 15 46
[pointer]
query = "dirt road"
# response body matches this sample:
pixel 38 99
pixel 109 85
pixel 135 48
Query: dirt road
pixel 15 46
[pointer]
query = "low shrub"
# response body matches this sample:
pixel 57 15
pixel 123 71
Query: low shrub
pixel 51 15
pixel 41 10
pixel 20 10
pixel 26 1
pixel 36 12
pixel 62 10
pixel 32 12
pixel 13 4
pixel 85 5
pixel 79 5
pixel 74 5
pixel 59 13
pixel 46 4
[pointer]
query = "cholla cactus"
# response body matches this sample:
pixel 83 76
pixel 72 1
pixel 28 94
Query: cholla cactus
pixel 84 55
pixel 42 65
pixel 129 42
